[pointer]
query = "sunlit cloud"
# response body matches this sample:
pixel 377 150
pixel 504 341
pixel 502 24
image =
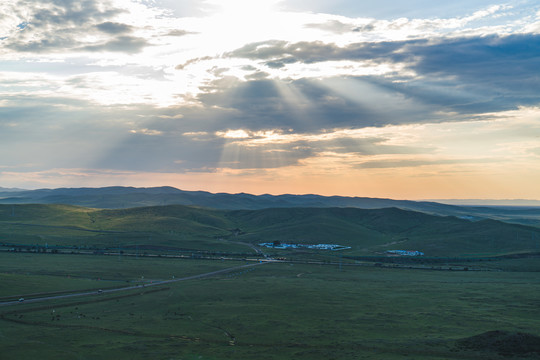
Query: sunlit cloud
pixel 233 134
pixel 148 132
pixel 272 96
pixel 195 133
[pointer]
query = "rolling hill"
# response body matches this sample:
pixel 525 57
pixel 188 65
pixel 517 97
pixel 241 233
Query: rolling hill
pixel 127 197
pixel 366 231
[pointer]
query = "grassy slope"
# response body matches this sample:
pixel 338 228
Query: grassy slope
pixel 306 226
pixel 134 219
pixel 179 226
pixel 382 229
pixel 366 231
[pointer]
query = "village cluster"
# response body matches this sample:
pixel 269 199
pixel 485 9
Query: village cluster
pixel 332 247
pixel 404 252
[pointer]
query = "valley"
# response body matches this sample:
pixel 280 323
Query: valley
pixel 188 282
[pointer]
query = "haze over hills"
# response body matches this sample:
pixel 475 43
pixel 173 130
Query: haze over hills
pixel 118 197
pixel 489 202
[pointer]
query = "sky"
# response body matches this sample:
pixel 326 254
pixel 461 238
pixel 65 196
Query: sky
pixel 398 99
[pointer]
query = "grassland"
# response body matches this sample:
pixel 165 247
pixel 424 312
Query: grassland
pixel 273 311
pixel 367 232
pixel 337 307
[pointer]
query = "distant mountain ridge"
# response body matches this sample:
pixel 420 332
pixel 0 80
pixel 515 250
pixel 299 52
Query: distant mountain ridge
pixel 2 189
pixel 119 197
pixel 123 197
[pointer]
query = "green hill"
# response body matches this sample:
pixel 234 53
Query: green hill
pixel 366 231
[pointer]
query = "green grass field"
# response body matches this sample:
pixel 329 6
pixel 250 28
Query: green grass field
pixel 272 311
pixel 358 305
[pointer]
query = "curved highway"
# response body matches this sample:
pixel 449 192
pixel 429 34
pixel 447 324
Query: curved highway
pixel 127 288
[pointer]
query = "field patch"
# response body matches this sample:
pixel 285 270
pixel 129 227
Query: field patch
pixel 504 343
pixel 327 312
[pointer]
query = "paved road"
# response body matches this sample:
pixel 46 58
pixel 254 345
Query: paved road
pixel 109 291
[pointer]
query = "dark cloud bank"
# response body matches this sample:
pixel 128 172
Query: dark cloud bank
pixel 495 72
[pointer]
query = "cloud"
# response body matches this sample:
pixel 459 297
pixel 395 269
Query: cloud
pixel 148 132
pixel 193 61
pixel 316 94
pixel 64 12
pixel 175 116
pixel 178 32
pixel 195 133
pixel 257 75
pixel 114 28
pixel 275 149
pixel 318 51
pixel 338 27
pixel 66 26
pixel 305 105
pixel 233 134
pixel 500 61
pixel 127 44
pixel 466 75
pixel 477 74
